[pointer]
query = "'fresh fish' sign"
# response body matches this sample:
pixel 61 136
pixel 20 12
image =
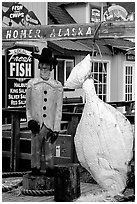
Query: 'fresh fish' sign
pixel 20 69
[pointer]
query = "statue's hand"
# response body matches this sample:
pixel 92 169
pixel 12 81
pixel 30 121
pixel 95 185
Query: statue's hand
pixel 34 126
pixel 52 136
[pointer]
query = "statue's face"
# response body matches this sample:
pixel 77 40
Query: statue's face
pixel 45 70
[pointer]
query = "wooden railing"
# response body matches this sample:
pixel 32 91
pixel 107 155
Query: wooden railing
pixel 16 132
pixel 78 108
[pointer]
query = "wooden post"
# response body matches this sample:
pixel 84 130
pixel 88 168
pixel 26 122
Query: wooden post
pixel 40 182
pixel 15 141
pixel 72 126
pixel 67 182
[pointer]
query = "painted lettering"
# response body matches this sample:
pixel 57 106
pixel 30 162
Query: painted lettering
pixel 67 33
pixel 22 90
pixel 31 20
pixel 38 33
pixel 20 59
pixel 20 70
pixel 22 96
pixel 14 103
pixel 21 102
pixel 30 33
pixel 74 32
pixel 15 34
pixel 53 34
pixel 28 70
pixel 16 15
pixel 8 34
pixel 23 34
pixel 89 31
pixel 80 31
pixel 13 90
pixel 10 96
pixel 17 7
pixel 60 32
pixel 12 69
pixel 17 85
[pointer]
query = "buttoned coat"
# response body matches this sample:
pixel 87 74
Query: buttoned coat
pixel 44 102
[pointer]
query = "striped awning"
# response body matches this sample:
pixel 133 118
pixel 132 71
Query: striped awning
pixel 68 45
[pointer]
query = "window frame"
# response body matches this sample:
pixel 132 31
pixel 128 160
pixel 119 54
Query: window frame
pixel 94 60
pixel 129 64
pixel 107 77
pixel 65 69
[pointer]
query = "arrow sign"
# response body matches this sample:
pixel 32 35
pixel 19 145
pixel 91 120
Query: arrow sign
pixel 69 31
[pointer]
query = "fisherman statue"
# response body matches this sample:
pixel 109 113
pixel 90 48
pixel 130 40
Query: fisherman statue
pixel 44 99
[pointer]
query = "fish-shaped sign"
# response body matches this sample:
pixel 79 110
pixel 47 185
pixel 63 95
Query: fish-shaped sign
pixel 20 15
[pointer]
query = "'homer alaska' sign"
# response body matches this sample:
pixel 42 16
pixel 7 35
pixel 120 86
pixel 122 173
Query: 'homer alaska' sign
pixel 71 31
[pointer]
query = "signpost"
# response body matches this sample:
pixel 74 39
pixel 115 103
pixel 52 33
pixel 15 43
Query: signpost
pixel 108 30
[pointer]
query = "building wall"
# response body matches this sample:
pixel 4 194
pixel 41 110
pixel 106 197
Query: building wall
pixel 113 79
pixel 78 12
pixel 117 78
pixel 80 92
pixel 82 12
pixel 120 76
pixel 39 8
pixel 77 92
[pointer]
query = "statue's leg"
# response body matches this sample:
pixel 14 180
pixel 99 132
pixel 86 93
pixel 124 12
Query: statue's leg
pixel 33 150
pixel 46 146
pixel 36 141
pixel 38 150
pixel 48 154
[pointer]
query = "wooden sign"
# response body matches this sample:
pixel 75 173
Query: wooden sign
pixel 130 57
pixel 70 31
pixel 19 69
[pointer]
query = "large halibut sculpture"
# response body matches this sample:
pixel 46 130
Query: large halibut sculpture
pixel 104 137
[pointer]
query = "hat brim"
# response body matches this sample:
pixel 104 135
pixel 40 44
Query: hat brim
pixel 49 60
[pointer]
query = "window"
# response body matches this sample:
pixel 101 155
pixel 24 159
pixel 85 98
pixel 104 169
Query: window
pixel 99 71
pixel 63 69
pixel 128 83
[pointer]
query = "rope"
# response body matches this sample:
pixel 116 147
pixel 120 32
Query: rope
pixel 94 43
pixel 101 57
pixel 13 174
pixel 6 188
pixel 24 191
pixel 92 60
pixel 38 192
pixel 9 188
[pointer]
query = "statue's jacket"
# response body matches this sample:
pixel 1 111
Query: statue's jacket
pixel 44 102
